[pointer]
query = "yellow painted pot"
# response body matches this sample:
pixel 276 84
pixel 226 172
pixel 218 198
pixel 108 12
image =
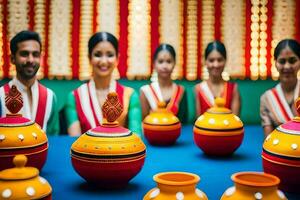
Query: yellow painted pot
pixel 218 131
pixel 254 185
pixel 23 182
pixel 175 185
pixel 281 154
pixel 161 127
pixel 19 135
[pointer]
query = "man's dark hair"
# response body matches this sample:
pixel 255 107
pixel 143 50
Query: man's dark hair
pixel 23 36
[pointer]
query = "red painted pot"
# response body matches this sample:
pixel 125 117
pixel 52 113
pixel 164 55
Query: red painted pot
pixel 218 131
pixel 19 135
pixel 108 155
pixel 161 127
pixel 281 154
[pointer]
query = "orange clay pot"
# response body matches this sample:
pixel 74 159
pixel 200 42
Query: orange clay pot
pixel 253 185
pixel 108 155
pixel 281 154
pixel 218 131
pixel 161 127
pixel 175 185
pixel 19 135
pixel 23 182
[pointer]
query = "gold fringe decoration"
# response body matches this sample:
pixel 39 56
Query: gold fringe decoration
pixel 60 39
pixel 171 31
pixel 1 42
pixel 233 35
pixel 208 29
pixel 108 16
pixel 39 27
pixel 86 31
pixel 18 20
pixel 108 19
pixel 138 39
pixel 258 39
pixel 263 39
pixel 192 40
pixel 283 26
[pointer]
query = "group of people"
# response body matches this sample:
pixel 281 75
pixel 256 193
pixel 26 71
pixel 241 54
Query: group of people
pixel 83 106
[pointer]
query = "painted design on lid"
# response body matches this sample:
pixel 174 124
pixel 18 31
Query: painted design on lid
pixel 14 100
pixel 112 108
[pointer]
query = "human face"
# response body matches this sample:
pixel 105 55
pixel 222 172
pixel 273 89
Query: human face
pixel 27 59
pixel 164 64
pixel 103 59
pixel 215 64
pixel 287 64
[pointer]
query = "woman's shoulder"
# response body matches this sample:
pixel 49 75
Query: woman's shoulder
pixel 181 87
pixel 126 89
pixel 266 93
pixel 82 86
pixel 233 83
pixel 146 86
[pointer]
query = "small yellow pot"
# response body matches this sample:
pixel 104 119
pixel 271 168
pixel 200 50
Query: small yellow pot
pixel 218 131
pixel 23 182
pixel 254 185
pixel 161 127
pixel 175 185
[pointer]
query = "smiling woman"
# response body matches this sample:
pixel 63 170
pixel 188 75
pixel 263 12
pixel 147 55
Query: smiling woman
pixel 83 107
pixel 215 86
pixel 277 104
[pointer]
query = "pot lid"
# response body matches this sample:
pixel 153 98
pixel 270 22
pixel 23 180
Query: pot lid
pixel 19 172
pixel 23 182
pixel 161 116
pixel 292 126
pixel 219 118
pixel 219 107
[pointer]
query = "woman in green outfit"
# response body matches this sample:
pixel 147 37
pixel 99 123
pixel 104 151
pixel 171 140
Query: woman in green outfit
pixel 83 108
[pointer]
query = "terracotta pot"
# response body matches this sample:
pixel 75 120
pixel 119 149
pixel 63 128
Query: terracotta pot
pixel 253 185
pixel 281 155
pixel 23 182
pixel 218 131
pixel 19 135
pixel 175 185
pixel 108 155
pixel 161 127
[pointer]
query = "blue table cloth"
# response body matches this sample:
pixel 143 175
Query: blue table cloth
pixel 184 156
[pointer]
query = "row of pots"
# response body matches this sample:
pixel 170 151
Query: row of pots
pixel 23 182
pixel 120 153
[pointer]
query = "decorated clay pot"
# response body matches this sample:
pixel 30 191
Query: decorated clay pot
pixel 108 155
pixel 281 153
pixel 19 135
pixel 161 127
pixel 218 131
pixel 175 185
pixel 253 185
pixel 23 182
